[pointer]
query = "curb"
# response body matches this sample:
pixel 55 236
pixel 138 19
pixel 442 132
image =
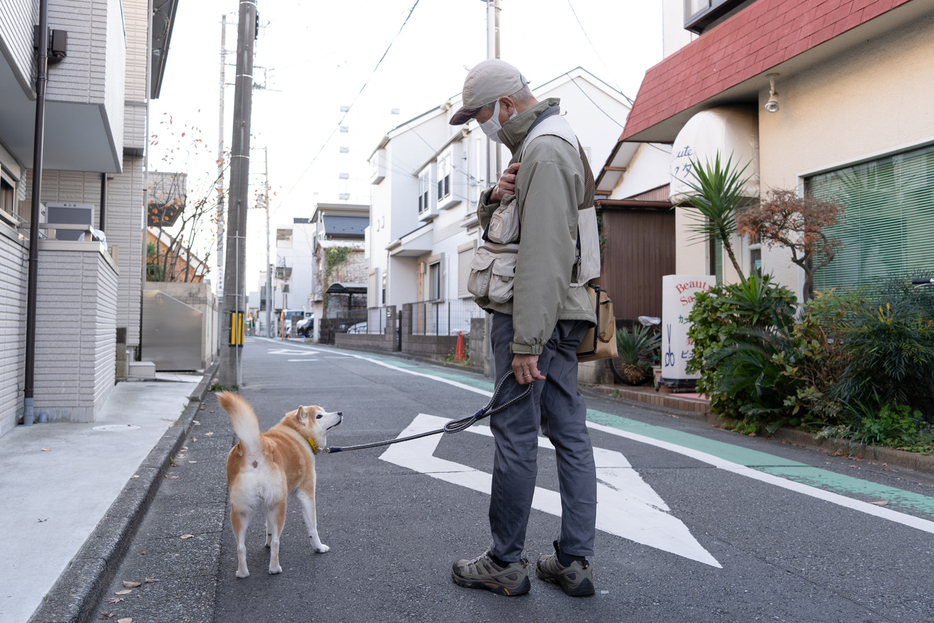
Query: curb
pixel 837 447
pixel 74 596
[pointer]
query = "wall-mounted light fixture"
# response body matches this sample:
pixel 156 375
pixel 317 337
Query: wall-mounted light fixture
pixel 772 104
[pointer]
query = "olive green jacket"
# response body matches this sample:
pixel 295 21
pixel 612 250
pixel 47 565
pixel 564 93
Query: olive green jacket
pixel 549 188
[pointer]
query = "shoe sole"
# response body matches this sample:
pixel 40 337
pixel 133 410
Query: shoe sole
pixel 524 587
pixel 584 589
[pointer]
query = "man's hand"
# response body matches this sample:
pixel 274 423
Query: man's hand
pixel 506 184
pixel 526 368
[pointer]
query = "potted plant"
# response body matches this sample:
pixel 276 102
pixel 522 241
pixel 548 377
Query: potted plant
pixel 635 349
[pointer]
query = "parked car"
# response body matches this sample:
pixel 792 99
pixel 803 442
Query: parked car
pixel 305 326
pixel 359 327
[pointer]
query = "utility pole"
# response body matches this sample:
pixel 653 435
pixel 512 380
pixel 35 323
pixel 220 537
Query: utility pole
pixel 492 51
pixel 268 265
pixel 238 206
pixel 219 182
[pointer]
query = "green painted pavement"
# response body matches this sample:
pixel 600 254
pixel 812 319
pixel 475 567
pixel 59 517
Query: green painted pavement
pixel 774 465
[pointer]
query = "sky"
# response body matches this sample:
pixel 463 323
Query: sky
pixel 314 57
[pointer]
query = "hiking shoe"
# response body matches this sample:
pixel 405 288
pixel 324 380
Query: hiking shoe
pixel 576 579
pixel 482 572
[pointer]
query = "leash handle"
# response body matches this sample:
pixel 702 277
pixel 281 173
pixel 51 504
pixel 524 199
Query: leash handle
pixel 454 426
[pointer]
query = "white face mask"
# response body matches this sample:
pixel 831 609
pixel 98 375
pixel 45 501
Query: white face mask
pixel 491 126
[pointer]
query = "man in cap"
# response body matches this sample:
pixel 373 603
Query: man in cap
pixel 536 334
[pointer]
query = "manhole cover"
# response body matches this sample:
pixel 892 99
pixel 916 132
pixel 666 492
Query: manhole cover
pixel 117 427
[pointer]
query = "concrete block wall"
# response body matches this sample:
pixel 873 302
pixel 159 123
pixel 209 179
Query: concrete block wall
pixel 12 326
pixel 75 330
pixel 424 345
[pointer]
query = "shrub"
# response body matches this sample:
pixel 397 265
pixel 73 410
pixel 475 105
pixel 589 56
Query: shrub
pixel 890 355
pixel 737 332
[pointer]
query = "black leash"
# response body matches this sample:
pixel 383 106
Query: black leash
pixel 455 426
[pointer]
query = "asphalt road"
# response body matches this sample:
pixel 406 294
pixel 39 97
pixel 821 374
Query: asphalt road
pixel 696 524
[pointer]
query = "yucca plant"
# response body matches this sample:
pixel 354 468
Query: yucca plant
pixel 717 193
pixel 634 349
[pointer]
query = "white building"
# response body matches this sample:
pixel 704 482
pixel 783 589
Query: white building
pixel 96 132
pixel 426 180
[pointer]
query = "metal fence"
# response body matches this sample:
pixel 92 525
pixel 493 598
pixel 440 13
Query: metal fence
pixel 444 317
pixel 353 321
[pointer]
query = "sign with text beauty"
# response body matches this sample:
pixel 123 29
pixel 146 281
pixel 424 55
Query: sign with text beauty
pixel 677 302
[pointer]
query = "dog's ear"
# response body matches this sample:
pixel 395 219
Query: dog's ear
pixel 302 415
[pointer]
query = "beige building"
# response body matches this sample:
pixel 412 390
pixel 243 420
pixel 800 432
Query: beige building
pixel 853 81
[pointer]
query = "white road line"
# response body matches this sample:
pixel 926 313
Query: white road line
pixel 749 472
pixel 628 507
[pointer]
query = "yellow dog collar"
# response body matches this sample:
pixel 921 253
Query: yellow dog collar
pixel 314 446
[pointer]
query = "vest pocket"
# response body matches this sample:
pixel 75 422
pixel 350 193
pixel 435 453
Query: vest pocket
pixel 492 272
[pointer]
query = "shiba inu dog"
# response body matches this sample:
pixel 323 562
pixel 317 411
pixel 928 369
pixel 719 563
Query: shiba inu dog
pixel 264 468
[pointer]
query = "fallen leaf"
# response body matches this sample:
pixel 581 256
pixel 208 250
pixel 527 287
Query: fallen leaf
pixel 880 502
pixel 107 615
pixel 196 422
pixel 132 584
pixel 46 450
pixel 126 592
pixel 173 477
pixel 192 461
pixel 143 553
pixel 126 620
pixel 187 536
pixel 150 580
pixel 115 600
pixel 208 434
pixel 135 476
pixel 43 520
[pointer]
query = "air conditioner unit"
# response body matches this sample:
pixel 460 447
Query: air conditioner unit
pixel 70 214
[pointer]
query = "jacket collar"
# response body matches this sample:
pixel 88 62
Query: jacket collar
pixel 515 130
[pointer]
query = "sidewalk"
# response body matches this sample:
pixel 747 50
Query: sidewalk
pixel 60 482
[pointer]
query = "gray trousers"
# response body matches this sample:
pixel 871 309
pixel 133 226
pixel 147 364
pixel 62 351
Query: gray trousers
pixel 558 409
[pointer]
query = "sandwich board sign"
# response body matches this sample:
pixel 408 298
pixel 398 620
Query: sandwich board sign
pixel 678 292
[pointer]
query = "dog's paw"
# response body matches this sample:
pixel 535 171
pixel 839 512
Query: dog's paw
pixel 243 574
pixel 275 570
pixel 321 549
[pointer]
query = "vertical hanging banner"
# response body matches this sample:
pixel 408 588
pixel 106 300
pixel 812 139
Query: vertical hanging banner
pixel 236 328
pixel 678 293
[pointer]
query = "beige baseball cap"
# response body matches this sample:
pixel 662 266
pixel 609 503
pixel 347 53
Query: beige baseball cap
pixel 488 81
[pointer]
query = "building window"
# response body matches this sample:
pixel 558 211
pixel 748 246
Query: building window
pixel 7 195
pixel 444 177
pixel 888 222
pixel 434 281
pixel 755 260
pixel 701 14
pixel 424 186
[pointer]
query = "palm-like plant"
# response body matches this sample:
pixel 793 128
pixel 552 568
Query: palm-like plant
pixel 717 193
pixel 633 349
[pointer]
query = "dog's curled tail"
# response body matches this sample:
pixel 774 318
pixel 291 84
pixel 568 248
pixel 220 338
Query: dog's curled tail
pixel 243 420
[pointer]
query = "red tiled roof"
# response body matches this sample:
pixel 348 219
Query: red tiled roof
pixel 761 36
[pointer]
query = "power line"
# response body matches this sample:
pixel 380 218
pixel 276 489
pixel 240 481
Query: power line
pixel 349 108
pixel 586 36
